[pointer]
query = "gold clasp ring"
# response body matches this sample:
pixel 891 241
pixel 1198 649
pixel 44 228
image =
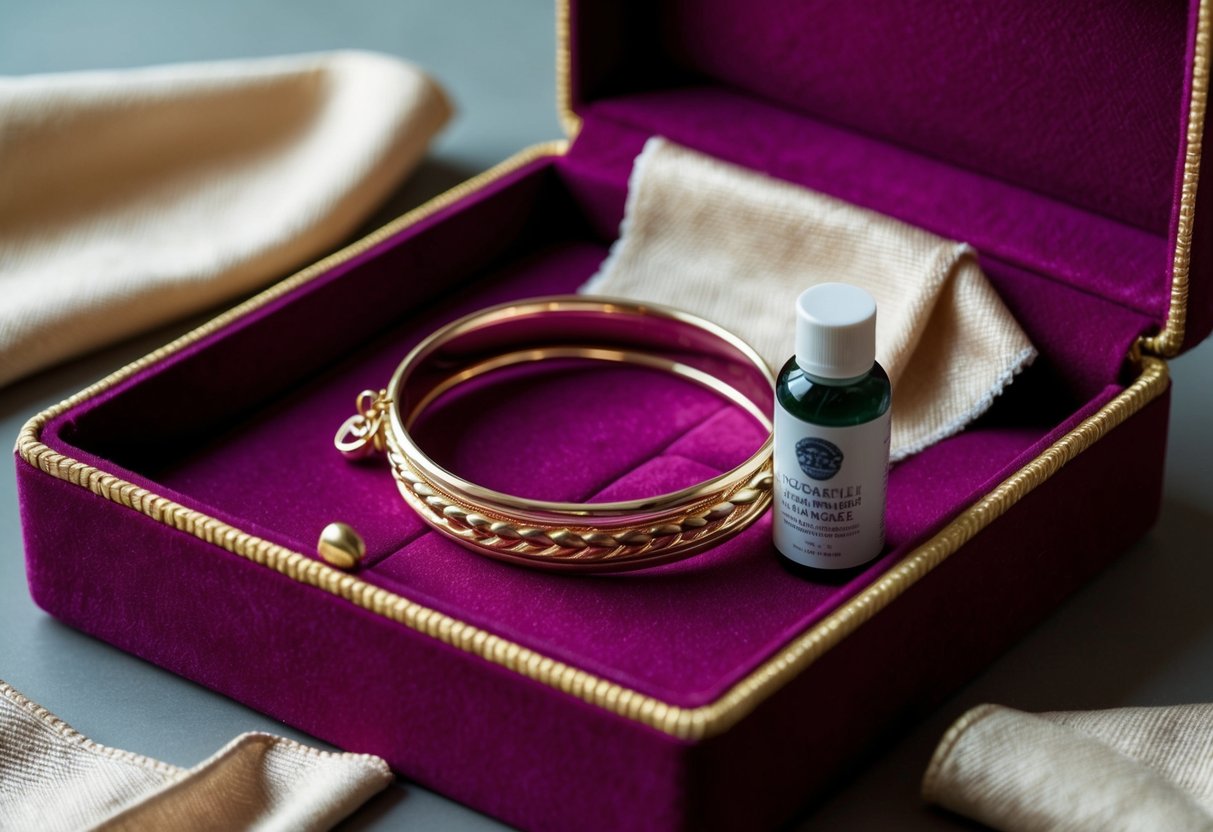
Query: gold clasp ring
pixel 364 433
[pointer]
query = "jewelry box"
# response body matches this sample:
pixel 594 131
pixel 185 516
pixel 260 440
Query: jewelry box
pixel 172 509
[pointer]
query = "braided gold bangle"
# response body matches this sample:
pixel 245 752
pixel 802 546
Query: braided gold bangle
pixel 587 537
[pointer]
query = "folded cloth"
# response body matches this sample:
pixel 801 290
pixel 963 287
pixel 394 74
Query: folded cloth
pixel 132 197
pixel 53 778
pixel 737 248
pixel 1124 769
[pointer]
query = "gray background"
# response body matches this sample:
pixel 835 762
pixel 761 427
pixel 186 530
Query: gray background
pixel 1141 634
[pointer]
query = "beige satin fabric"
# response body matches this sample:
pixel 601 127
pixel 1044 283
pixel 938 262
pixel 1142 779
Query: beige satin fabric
pixel 738 248
pixel 129 198
pixel 1121 770
pixel 53 778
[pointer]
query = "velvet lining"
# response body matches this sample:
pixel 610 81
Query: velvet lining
pixel 1050 135
pixel 1023 228
pixel 1095 90
pixel 530 754
pixel 262 459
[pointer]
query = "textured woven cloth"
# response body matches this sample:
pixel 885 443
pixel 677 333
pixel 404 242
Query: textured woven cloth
pixel 132 197
pixel 52 778
pixel 737 248
pixel 1121 770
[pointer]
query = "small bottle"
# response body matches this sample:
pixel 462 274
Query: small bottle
pixel 832 434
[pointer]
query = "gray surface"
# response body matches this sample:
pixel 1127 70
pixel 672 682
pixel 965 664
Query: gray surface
pixel 1141 634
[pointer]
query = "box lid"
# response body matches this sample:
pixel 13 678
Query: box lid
pixel 1086 116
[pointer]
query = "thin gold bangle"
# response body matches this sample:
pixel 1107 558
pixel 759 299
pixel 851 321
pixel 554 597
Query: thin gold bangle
pixel 586 537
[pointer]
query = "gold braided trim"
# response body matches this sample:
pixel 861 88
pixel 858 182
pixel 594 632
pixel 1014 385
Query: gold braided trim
pixel 683 723
pixel 810 645
pixel 1169 341
pixel 569 120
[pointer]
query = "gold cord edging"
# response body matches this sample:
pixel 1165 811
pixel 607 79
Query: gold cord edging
pixel 748 693
pixel 683 723
pixel 1169 341
pixel 569 120
pixel 809 646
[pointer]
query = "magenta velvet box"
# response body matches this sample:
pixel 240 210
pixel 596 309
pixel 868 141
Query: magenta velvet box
pixel 172 509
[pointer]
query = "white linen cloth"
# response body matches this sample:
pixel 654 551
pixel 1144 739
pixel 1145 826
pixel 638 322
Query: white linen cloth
pixel 132 197
pixel 1118 770
pixel 53 778
pixel 737 248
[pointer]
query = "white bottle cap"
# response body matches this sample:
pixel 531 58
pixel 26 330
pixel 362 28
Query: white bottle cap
pixel 835 331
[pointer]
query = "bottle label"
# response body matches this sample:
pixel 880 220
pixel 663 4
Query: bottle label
pixel 830 486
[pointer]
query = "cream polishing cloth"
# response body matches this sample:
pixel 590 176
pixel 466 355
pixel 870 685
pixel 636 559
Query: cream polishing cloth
pixel 132 197
pixel 52 778
pixel 737 248
pixel 1122 770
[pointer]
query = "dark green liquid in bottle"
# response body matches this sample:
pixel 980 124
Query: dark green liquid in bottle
pixel 833 404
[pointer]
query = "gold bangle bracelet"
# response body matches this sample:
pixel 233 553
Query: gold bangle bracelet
pixel 587 537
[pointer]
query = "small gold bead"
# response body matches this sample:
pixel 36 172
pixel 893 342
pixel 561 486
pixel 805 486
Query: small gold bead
pixel 341 546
